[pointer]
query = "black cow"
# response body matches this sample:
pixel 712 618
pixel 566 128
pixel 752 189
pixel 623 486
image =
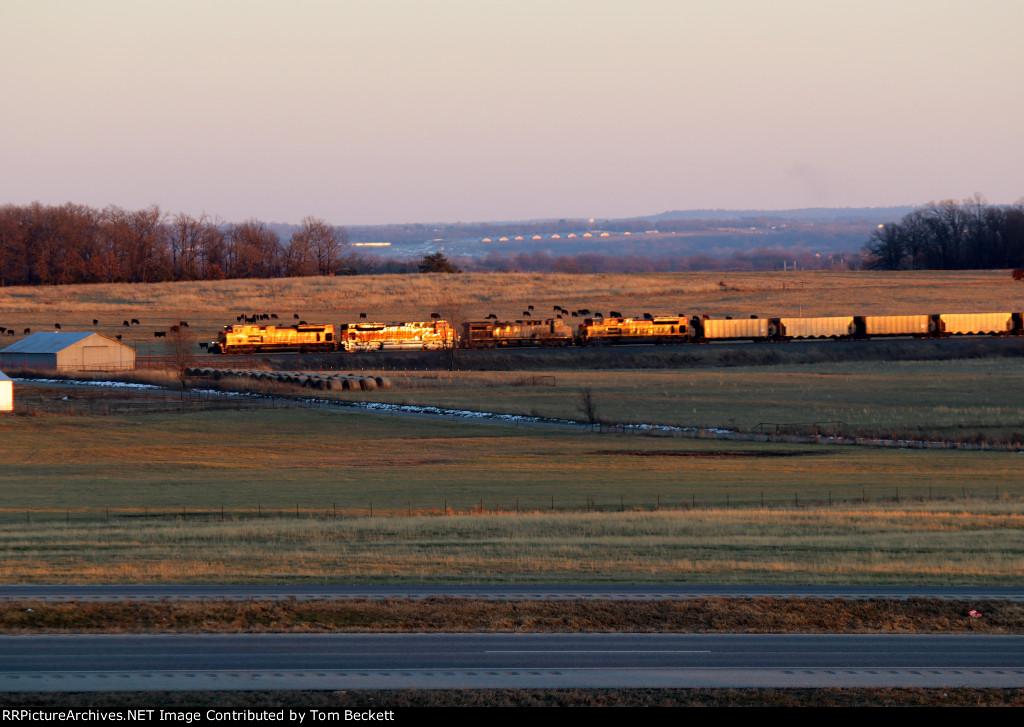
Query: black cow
pixel 159 334
pixel 125 324
pixel 95 322
pixel 56 326
pixel 135 322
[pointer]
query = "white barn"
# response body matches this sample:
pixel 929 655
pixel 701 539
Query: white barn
pixel 6 392
pixel 68 351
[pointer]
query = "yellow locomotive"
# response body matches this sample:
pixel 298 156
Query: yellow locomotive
pixel 253 339
pixel 416 336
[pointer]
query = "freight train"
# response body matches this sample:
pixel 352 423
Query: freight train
pixel 598 331
pixel 352 337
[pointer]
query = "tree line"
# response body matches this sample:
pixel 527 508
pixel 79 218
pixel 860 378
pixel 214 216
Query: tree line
pixel 72 243
pixel 950 236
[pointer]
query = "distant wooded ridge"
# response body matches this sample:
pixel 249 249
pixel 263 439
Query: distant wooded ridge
pixel 950 236
pixel 666 222
pixel 72 243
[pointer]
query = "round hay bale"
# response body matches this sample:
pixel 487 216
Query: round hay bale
pixel 218 374
pixel 368 384
pixel 382 382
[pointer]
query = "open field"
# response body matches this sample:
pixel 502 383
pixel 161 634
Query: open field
pixel 318 460
pixel 914 544
pixel 959 400
pixel 98 497
pixel 208 305
pixel 281 473
pixel 973 400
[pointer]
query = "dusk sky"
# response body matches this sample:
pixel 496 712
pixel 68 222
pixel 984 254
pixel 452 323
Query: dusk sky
pixel 382 111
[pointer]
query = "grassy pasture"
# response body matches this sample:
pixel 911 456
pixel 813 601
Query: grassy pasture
pixel 958 519
pixel 315 460
pixel 958 400
pixel 279 473
pixel 208 305
pixel 922 544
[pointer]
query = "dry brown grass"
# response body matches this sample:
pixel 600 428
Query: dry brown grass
pixel 696 615
pixel 208 305
pixel 924 544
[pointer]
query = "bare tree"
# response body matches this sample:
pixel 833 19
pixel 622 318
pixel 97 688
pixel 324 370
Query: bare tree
pixel 588 407
pixel 254 249
pixel 317 249
pixel 181 342
pixel 452 309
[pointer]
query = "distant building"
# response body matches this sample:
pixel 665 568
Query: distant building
pixel 68 351
pixel 6 393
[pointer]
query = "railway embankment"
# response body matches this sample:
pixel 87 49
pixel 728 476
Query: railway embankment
pixel 712 355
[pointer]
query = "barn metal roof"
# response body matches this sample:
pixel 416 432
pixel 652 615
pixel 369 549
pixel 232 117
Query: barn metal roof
pixel 52 342
pixel 4 377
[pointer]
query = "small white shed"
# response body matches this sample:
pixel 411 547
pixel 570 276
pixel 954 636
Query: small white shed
pixel 6 393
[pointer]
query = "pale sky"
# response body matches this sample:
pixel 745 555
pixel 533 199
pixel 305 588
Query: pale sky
pixel 382 111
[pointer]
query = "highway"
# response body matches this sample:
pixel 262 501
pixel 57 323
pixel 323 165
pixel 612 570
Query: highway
pixel 116 662
pixel 145 662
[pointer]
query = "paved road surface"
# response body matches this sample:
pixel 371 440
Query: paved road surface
pixel 350 661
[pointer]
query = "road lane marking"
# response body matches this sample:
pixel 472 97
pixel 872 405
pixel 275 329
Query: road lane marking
pixel 598 651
